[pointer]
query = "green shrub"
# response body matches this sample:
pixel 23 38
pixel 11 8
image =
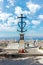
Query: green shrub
pixel 40 48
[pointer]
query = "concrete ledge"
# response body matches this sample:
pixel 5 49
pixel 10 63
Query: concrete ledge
pixel 40 50
pixel 18 55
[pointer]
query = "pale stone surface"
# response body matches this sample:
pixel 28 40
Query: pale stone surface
pixel 12 46
pixel 21 44
pixel 39 50
pixel 21 41
pixel 40 60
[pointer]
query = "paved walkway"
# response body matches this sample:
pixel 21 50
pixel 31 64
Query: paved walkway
pixel 23 61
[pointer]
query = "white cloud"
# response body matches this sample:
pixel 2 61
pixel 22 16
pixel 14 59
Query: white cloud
pixel 26 12
pixel 1 5
pixel 18 10
pixel 16 21
pixel 12 20
pixel 33 33
pixel 32 7
pixel 10 24
pixel 1 9
pixel 11 2
pixel 40 17
pixel 1 0
pixel 35 22
pixel 7 6
pixel 27 22
pixel 6 27
pixel 4 16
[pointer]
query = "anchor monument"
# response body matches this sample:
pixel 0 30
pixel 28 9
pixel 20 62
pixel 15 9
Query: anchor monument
pixel 21 25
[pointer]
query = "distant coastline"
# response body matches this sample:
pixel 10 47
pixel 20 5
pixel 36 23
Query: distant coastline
pixel 18 38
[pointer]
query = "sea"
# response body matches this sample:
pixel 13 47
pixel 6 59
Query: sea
pixel 18 38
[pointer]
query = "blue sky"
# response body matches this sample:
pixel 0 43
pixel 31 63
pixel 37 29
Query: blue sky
pixel 11 9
